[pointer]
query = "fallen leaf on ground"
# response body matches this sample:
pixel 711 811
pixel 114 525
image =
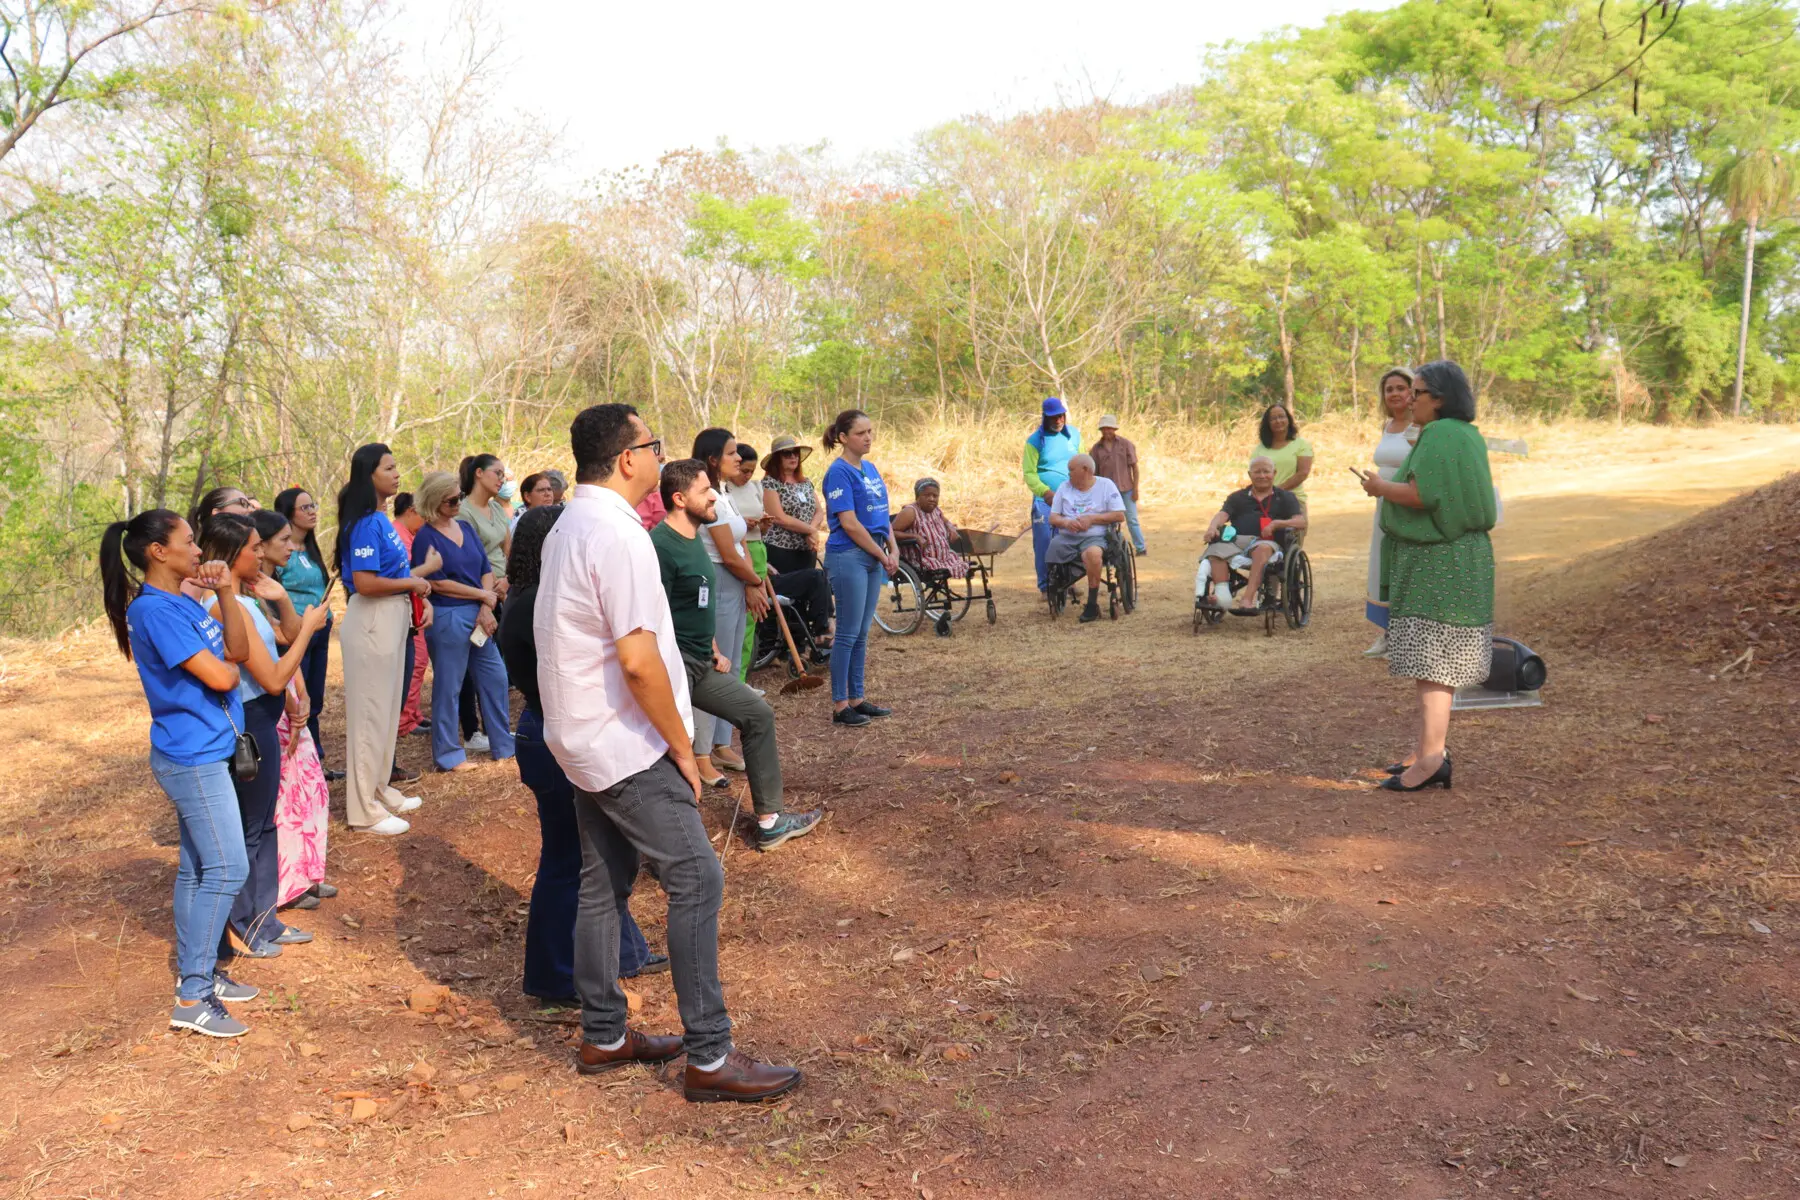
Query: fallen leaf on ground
pixel 1580 995
pixel 959 1053
pixel 308 1050
pixel 1759 926
pixel 1677 1160
pixel 1150 972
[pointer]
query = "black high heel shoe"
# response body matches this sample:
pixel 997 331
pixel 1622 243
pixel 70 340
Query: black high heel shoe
pixel 1439 778
pixel 1402 768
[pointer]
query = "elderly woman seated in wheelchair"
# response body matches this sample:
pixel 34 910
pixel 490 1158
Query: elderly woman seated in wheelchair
pixel 1250 546
pixel 1086 514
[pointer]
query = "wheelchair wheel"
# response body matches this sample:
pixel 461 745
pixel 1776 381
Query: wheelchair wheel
pixel 902 606
pixel 1298 591
pixel 1205 615
pixel 1127 576
pixel 993 614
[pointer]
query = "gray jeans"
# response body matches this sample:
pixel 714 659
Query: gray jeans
pixel 651 813
pixel 730 699
pixel 728 630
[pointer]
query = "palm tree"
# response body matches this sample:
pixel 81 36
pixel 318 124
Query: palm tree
pixel 1757 185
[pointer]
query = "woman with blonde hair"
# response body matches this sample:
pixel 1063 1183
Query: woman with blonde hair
pixel 463 600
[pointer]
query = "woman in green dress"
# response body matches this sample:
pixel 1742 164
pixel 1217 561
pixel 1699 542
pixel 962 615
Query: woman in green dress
pixel 1437 565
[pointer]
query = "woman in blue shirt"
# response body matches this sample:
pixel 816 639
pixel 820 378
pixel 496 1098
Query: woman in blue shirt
pixel 463 600
pixel 377 623
pixel 307 578
pixel 186 661
pixel 262 684
pixel 859 558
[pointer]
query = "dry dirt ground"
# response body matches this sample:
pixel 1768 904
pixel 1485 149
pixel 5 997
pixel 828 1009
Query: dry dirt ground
pixel 1103 911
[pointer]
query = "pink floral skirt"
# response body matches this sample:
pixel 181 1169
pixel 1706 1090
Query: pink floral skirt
pixel 302 812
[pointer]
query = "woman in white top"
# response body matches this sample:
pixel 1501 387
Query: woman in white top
pixel 740 595
pixel 1397 436
pixel 746 495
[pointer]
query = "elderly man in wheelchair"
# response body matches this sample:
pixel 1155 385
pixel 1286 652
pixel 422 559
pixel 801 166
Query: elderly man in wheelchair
pixel 1085 515
pixel 1249 535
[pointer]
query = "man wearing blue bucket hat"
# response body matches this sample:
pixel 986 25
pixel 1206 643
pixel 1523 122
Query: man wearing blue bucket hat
pixel 1047 453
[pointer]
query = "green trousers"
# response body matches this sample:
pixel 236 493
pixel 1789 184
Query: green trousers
pixel 759 558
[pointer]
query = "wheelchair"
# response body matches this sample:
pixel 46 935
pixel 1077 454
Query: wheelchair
pixel 915 595
pixel 770 648
pixel 1287 591
pixel 1118 574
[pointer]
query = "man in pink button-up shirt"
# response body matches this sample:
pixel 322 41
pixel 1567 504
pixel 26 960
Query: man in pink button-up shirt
pixel 618 718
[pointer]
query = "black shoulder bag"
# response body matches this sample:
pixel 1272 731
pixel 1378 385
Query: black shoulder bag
pixel 246 759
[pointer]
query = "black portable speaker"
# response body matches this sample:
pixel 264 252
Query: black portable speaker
pixel 1515 669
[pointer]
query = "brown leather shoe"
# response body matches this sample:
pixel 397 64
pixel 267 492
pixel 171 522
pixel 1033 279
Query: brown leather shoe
pixel 740 1078
pixel 639 1047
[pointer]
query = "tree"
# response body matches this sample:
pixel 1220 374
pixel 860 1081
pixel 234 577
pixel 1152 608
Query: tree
pixel 61 58
pixel 1757 185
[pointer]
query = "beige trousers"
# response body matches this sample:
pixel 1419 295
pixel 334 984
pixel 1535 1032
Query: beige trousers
pixel 373 645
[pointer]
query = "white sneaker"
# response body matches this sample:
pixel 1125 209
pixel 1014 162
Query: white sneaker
pixel 1378 649
pixel 388 826
pixel 477 744
pixel 407 804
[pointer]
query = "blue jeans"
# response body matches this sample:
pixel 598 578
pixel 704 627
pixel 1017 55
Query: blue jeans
pixel 857 579
pixel 453 657
pixel 212 866
pixel 550 927
pixel 253 913
pixel 1131 521
pixel 312 674
pixel 1040 540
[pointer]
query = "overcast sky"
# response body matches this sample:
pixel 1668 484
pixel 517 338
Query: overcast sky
pixel 626 82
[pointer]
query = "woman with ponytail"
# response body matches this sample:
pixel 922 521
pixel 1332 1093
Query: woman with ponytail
pixel 256 932
pixel 373 565
pixel 859 559
pixel 187 663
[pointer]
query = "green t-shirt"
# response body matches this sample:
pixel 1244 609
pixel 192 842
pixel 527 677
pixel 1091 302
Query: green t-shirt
pixel 1286 460
pixel 689 581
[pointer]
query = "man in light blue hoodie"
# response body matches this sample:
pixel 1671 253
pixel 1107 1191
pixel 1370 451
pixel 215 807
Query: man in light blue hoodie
pixel 1047 453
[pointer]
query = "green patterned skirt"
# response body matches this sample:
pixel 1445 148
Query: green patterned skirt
pixel 1441 609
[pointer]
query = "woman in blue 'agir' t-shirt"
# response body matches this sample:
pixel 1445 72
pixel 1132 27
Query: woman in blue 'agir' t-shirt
pixel 186 661
pixel 377 626
pixel 859 558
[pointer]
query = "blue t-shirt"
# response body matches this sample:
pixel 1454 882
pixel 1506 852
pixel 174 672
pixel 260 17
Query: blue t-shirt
pixel 464 564
pixel 187 721
pixel 304 580
pixel 248 688
pixel 373 546
pixel 848 489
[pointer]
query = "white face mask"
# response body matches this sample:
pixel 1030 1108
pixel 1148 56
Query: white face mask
pixel 508 490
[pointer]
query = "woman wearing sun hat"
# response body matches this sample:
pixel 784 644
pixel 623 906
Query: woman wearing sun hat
pixel 796 521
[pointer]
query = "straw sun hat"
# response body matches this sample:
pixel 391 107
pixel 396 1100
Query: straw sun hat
pixel 781 446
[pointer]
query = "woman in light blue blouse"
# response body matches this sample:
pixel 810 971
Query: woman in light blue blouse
pixel 259 932
pixel 187 663
pixel 307 578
